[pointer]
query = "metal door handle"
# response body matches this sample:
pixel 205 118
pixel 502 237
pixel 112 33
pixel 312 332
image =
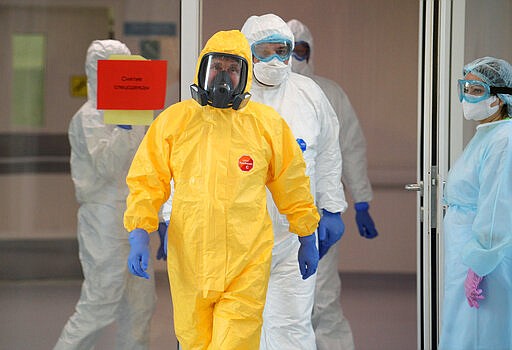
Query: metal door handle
pixel 415 187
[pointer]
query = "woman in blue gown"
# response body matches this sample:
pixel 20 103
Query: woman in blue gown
pixel 477 307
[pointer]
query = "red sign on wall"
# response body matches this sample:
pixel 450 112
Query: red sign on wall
pixel 131 84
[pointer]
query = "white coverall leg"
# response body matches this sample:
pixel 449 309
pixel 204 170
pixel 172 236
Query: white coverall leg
pixel 109 292
pixel 332 329
pixel 284 279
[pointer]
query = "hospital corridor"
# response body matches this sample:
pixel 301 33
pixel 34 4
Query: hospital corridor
pixel 245 158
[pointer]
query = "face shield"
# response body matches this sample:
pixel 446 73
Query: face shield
pixel 222 79
pixel 301 51
pixel 474 91
pixel 272 47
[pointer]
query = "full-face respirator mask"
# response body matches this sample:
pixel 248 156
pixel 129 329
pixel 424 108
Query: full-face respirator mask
pixel 222 79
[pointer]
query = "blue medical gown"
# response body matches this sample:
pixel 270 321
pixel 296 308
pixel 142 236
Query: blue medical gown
pixel 478 235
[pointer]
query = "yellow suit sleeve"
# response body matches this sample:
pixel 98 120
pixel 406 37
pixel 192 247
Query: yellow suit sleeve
pixel 149 179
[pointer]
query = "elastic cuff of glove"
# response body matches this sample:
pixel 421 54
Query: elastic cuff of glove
pixel 139 234
pixel 361 206
pixel 328 213
pixel 308 239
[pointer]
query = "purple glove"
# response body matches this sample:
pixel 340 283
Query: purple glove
pixel 473 293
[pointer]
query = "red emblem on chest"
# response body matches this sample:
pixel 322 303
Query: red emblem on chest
pixel 245 163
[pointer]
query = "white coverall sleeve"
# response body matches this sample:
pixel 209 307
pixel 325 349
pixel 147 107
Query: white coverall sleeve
pixel 352 142
pixel 167 207
pixel 288 183
pixel 329 188
pixel 110 147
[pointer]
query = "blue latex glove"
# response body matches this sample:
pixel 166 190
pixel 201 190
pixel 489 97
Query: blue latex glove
pixel 138 259
pixel 161 254
pixel 364 221
pixel 330 230
pixel 126 127
pixel 308 256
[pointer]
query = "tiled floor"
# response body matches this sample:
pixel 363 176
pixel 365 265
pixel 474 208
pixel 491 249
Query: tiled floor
pixel 380 308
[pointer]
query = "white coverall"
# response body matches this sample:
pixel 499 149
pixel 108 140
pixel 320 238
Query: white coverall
pixel 100 157
pixel 288 308
pixel 332 329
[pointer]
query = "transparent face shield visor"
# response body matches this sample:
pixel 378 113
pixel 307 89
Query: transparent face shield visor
pixel 301 51
pixel 223 72
pixel 272 47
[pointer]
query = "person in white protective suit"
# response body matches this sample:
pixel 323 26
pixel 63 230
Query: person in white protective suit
pixel 301 102
pixel 101 155
pixel 332 329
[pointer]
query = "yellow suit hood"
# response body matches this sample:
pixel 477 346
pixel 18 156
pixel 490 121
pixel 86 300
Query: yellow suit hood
pixel 231 42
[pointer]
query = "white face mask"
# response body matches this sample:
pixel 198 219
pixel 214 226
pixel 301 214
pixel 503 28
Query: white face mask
pixel 479 110
pixel 271 73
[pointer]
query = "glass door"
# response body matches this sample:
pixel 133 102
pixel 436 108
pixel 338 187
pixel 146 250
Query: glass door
pixel 438 137
pixel 42 65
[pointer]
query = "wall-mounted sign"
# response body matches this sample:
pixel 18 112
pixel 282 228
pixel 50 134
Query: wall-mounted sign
pixel 130 88
pixel 131 84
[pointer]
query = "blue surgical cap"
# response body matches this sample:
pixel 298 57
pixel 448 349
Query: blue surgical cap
pixel 494 72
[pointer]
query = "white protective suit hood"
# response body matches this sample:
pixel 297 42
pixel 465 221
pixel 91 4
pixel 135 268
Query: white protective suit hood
pixel 100 50
pixel 257 28
pixel 301 33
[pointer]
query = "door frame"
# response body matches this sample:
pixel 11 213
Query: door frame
pixel 190 43
pixel 440 141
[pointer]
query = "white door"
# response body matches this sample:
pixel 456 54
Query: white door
pixel 452 33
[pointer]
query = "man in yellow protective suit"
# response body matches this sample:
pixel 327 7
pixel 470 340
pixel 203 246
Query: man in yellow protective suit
pixel 221 151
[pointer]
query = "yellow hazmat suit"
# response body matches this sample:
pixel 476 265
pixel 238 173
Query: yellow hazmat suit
pixel 220 235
